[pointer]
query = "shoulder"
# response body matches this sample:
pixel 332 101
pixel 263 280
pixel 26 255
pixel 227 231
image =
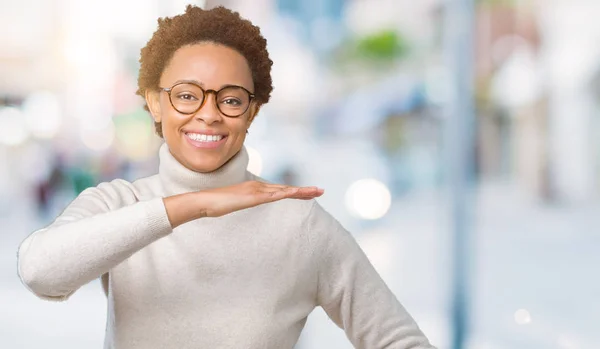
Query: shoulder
pixel 147 187
pixel 119 192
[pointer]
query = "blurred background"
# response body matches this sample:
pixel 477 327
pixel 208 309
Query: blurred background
pixel 459 141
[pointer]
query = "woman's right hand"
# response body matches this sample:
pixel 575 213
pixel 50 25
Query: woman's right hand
pixel 221 201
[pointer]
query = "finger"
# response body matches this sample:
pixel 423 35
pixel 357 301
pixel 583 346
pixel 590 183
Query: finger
pixel 269 186
pixel 283 186
pixel 305 197
pixel 284 191
pixel 273 194
pixel 309 190
pixel 308 193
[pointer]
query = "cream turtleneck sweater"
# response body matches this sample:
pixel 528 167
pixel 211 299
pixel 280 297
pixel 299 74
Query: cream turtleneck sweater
pixel 248 279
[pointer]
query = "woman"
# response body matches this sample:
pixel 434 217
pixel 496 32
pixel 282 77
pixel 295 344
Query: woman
pixel 204 254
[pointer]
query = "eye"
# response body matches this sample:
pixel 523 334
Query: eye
pixel 232 102
pixel 187 97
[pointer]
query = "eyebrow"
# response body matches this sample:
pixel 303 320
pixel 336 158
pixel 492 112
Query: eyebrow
pixel 201 84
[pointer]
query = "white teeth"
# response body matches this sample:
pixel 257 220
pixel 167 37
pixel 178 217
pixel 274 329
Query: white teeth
pixel 204 138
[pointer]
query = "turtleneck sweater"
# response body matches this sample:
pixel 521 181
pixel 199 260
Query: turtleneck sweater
pixel 248 279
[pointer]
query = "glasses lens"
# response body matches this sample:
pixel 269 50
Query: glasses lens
pixel 233 101
pixel 186 98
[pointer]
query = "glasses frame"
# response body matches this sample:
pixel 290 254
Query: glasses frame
pixel 205 93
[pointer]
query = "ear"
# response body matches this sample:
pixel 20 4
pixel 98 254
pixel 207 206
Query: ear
pixel 254 109
pixel 153 102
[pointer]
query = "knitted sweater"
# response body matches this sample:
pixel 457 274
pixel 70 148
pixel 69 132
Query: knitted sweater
pixel 248 279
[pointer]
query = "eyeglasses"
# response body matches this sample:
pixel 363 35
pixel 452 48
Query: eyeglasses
pixel 187 98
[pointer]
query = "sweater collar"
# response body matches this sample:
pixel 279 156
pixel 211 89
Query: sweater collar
pixel 178 179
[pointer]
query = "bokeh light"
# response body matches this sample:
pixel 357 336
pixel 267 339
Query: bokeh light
pixel 98 139
pixel 522 317
pixel 43 114
pixel 13 130
pixel 368 199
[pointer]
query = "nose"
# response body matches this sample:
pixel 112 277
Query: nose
pixel 209 113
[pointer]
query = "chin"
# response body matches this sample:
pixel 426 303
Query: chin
pixel 201 161
pixel 204 167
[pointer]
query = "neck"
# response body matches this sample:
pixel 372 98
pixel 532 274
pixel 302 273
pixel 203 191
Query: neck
pixel 178 179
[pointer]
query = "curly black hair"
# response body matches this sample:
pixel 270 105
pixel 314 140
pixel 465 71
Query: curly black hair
pixel 218 25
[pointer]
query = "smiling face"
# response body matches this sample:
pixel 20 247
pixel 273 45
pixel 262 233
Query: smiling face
pixel 207 139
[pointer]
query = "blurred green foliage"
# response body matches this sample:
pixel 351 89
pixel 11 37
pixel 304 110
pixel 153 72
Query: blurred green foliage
pixel 383 45
pixel 375 50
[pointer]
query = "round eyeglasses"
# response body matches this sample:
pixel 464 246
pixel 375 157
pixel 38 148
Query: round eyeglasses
pixel 187 98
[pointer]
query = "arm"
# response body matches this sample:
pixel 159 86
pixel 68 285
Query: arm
pixel 353 294
pixel 87 240
pixel 98 231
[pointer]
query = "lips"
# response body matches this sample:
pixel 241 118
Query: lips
pixel 205 132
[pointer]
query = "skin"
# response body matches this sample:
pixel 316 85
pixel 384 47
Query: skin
pixel 212 66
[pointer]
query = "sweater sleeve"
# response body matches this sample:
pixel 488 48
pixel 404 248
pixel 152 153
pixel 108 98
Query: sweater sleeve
pixel 353 294
pixel 96 232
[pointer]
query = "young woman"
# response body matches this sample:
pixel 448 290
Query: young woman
pixel 204 254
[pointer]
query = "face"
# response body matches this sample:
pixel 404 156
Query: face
pixel 211 66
